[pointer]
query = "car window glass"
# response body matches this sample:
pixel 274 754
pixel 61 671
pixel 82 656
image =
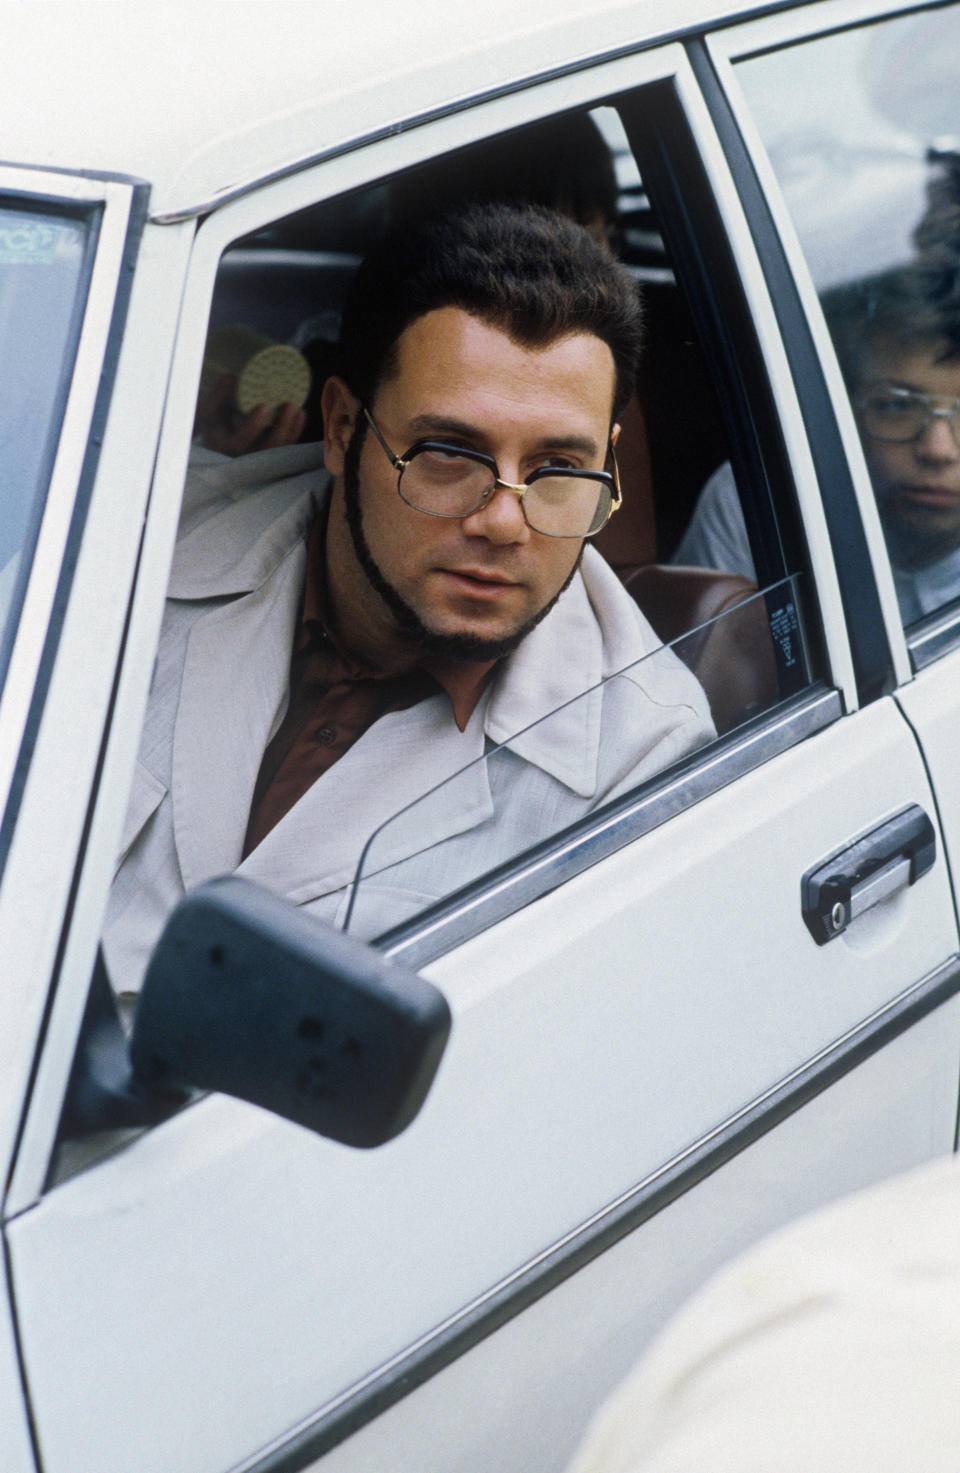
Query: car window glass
pixel 43 258
pixel 873 187
pixel 518 794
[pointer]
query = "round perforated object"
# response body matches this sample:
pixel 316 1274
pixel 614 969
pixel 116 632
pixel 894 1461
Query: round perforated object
pixel 275 375
pixel 266 372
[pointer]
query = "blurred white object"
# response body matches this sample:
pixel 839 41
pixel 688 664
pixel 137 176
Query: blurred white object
pixel 834 1344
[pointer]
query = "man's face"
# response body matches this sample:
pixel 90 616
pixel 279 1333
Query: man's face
pixel 473 587
pixel 917 482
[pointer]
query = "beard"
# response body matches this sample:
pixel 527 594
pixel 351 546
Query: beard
pixel 467 648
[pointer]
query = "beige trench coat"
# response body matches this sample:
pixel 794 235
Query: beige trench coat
pixel 220 689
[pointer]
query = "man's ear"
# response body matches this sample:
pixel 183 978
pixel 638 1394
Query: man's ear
pixel 340 409
pixel 614 434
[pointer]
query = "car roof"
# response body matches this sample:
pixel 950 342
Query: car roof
pixel 202 99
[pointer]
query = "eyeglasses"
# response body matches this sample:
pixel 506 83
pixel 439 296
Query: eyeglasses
pixel 451 481
pixel 902 415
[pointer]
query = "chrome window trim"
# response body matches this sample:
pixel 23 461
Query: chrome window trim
pixel 783 26
pixel 392 130
pixel 296 1450
pixel 519 882
pixel 522 83
pixel 938 636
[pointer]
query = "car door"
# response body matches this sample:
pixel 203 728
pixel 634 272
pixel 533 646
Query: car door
pixel 868 191
pixel 653 1057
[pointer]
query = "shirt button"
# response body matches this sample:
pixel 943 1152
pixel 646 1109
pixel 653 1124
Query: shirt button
pixel 326 736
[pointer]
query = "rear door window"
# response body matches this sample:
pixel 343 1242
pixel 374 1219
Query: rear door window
pixel 873 192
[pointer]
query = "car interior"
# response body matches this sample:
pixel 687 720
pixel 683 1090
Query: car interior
pixel 288 282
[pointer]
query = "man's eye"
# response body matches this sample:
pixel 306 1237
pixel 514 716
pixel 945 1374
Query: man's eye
pixel 893 404
pixel 557 463
pixel 444 462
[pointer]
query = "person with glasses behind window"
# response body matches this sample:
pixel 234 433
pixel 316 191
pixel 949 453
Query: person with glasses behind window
pixel 901 350
pixel 338 642
pixel 898 342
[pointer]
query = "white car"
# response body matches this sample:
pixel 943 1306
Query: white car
pixel 727 997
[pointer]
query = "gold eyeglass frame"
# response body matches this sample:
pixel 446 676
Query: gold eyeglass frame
pixel 400 463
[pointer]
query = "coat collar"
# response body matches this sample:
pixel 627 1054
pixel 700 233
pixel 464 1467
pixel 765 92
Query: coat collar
pixel 236 528
pixel 549 691
pixel 405 786
pixel 252 550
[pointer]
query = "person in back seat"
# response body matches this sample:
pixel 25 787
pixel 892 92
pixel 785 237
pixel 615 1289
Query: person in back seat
pixel 898 343
pixel 337 643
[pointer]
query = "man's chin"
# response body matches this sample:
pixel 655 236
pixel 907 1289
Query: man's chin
pixel 467 646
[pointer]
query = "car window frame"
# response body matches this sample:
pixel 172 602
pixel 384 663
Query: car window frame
pixel 504 890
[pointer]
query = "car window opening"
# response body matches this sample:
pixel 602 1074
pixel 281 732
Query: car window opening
pixel 272 345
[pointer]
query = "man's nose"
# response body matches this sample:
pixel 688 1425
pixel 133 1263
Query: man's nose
pixel 500 519
pixel 939 440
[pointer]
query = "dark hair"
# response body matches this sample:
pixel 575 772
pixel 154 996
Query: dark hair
pixel 901 308
pixel 528 271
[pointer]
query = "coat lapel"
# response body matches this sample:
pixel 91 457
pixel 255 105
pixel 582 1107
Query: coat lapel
pixel 412 780
pixel 248 550
pixel 415 757
pixel 547 705
pixel 538 706
pixel 232 695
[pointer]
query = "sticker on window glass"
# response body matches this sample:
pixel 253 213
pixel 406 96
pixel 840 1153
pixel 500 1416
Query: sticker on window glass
pixel 789 644
pixel 31 242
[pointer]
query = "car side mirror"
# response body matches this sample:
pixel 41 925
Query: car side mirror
pixel 248 995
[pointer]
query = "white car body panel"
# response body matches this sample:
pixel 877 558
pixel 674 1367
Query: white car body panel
pixel 18 1451
pixel 589 1328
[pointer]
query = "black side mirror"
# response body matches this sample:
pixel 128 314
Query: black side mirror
pixel 248 995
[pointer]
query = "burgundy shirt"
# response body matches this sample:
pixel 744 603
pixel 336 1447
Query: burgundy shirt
pixel 334 698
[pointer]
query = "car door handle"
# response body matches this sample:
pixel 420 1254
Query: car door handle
pixel 874 867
